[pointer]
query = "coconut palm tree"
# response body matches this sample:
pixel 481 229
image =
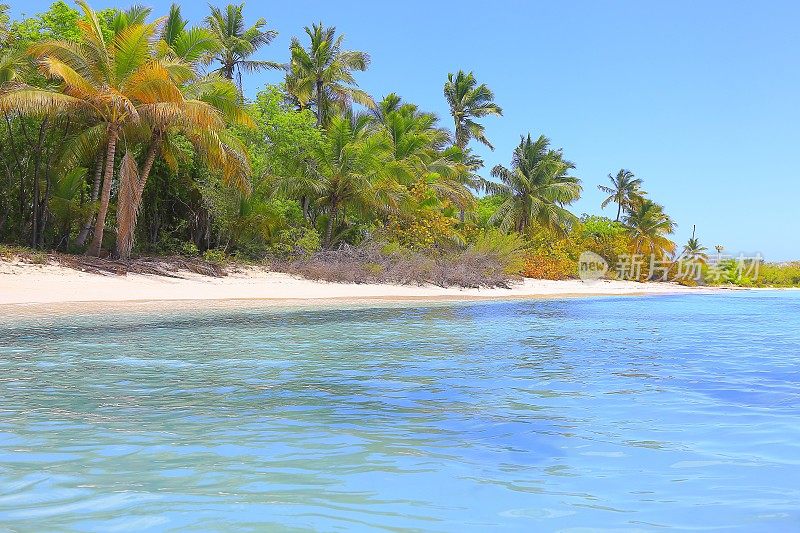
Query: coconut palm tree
pixel 419 152
pixel 192 45
pixel 536 189
pixel 132 16
pixel 468 101
pixel 349 167
pixel 693 250
pixel 649 227
pixel 625 190
pixel 106 82
pixel 209 103
pixel 238 42
pixel 324 72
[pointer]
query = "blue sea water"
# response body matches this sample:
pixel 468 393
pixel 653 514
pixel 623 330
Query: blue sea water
pixel 619 413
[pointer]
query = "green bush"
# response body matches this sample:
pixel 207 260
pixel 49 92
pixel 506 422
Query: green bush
pixel 190 249
pixel 510 249
pixel 215 256
pixel 779 274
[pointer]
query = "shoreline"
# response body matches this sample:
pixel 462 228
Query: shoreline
pixel 26 285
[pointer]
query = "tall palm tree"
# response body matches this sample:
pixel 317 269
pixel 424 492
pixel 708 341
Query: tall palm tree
pixel 135 14
pixel 693 250
pixel 209 103
pixel 238 42
pixel 192 45
pixel 420 152
pixel 105 82
pixel 625 190
pixel 535 189
pixel 649 228
pixel 324 72
pixel 468 101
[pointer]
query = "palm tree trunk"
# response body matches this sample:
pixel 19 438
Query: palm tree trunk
pixel 304 205
pixel 320 95
pixel 36 189
pixel 126 225
pixel 16 153
pixel 329 227
pixel 619 211
pixel 98 175
pixel 105 197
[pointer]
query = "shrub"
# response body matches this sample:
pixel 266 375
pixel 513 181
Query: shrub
pixel 549 267
pixel 8 253
pixel 190 249
pixel 23 254
pixel 308 242
pixel 38 258
pixel 215 256
pixel 427 228
pixel 509 249
pixel 296 242
pixel 779 274
pixel 373 262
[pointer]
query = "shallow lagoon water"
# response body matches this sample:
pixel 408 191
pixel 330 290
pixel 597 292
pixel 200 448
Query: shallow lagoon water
pixel 629 413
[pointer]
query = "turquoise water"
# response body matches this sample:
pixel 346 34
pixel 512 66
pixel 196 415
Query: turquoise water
pixel 618 413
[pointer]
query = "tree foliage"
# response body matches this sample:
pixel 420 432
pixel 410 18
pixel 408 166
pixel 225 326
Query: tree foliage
pixel 131 132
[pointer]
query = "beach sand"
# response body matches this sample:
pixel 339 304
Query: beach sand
pixel 24 283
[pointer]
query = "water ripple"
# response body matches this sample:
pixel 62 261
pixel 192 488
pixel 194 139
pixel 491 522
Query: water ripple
pixel 625 413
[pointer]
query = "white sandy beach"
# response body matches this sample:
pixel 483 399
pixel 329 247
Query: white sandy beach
pixel 50 284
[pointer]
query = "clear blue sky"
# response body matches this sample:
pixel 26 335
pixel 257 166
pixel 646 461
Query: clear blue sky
pixel 700 99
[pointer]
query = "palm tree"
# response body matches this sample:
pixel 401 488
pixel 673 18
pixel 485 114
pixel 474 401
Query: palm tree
pixel 192 46
pixel 535 189
pixel 349 168
pixel 105 82
pixel 209 102
pixel 649 227
pixel 693 250
pixel 135 14
pixel 13 66
pixel 469 101
pixel 324 72
pixel 419 152
pixel 239 43
pixel 625 190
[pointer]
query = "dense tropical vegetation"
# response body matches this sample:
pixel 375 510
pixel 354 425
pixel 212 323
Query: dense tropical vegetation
pixel 126 134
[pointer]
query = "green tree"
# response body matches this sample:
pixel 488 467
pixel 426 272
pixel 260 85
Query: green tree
pixel 419 152
pixel 107 82
pixel 469 101
pixel 208 104
pixel 535 189
pixel 625 191
pixel 649 228
pixel 281 147
pixel 238 42
pixel 693 250
pixel 59 22
pixel 349 168
pixel 324 72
